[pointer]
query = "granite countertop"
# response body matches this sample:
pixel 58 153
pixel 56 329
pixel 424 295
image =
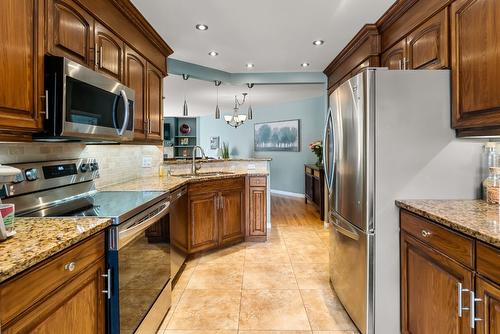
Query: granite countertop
pixel 170 183
pixel 189 159
pixel 39 238
pixel 475 218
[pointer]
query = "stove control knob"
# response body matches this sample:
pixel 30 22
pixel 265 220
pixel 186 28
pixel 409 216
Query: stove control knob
pixel 84 168
pixel 31 174
pixel 94 166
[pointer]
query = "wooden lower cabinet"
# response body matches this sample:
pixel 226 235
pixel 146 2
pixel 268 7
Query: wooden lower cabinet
pixel 203 231
pixel 429 283
pixel 488 307
pixel 232 215
pixel 51 298
pixel 257 220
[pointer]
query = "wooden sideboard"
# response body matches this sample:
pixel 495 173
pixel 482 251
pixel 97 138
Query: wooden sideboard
pixel 436 34
pixel 108 36
pixel 314 187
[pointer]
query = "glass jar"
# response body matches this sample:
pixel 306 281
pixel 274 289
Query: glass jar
pixel 489 159
pixel 491 186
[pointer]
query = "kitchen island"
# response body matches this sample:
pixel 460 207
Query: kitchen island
pixel 450 261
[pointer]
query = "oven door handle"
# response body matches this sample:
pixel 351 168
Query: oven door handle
pixel 128 234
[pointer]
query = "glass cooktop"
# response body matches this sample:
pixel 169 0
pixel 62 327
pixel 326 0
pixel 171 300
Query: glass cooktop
pixel 118 205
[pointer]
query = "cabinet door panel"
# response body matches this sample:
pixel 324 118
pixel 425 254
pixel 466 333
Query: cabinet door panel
pixel 232 216
pixel 395 56
pixel 70 31
pixel 488 309
pixel 429 290
pixel 154 103
pixel 21 64
pixel 258 211
pixel 475 57
pixel 135 78
pixel 110 52
pixel 428 44
pixel 76 307
pixel 203 229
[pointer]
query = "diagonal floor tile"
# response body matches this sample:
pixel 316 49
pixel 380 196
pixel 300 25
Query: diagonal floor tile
pixel 272 310
pixel 268 276
pixel 207 309
pixel 266 255
pixel 312 275
pixel 217 276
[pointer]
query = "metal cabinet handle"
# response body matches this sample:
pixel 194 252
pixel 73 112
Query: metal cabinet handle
pixel 46 104
pixel 70 266
pixel 401 64
pixel 460 306
pixel 108 283
pixel 473 301
pixel 100 56
pixel 96 61
pixel 222 202
pixel 426 234
pixel 149 126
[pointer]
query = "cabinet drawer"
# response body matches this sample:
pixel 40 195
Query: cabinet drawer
pixel 488 261
pixel 24 291
pixel 451 244
pixel 258 181
pixel 316 173
pixel 309 171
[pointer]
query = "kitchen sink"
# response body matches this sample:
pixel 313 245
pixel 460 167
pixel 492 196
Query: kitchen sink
pixel 201 174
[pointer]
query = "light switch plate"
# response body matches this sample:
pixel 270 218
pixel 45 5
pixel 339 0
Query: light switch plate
pixel 147 162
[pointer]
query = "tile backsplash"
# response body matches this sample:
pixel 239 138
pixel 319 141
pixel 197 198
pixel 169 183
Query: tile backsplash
pixel 118 163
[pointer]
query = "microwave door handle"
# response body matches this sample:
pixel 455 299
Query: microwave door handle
pixel 123 94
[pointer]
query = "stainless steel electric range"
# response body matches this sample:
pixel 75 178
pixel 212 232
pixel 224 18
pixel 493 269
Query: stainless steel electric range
pixel 138 248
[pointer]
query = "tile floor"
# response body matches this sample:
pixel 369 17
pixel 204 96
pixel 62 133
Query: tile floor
pixel 277 287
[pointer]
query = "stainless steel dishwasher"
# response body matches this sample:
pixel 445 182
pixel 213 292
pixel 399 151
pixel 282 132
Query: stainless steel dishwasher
pixel 179 207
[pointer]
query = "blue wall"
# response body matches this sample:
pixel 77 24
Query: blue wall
pixel 287 168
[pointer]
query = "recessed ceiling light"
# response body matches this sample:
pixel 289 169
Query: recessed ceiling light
pixel 201 27
pixel 305 64
pixel 318 42
pixel 250 65
pixel 213 53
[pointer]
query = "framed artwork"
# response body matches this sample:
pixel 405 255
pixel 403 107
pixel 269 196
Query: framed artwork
pixel 214 142
pixel 277 136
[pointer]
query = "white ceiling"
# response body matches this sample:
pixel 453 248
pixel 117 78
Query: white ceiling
pixel 202 95
pixel 275 35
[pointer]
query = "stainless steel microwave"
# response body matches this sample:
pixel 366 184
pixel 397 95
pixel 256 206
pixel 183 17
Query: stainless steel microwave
pixel 82 104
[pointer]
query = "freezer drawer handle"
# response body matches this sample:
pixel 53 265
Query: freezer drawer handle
pixel 348 233
pixel 426 234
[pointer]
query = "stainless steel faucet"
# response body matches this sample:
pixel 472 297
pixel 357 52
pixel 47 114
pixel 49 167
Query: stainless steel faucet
pixel 194 168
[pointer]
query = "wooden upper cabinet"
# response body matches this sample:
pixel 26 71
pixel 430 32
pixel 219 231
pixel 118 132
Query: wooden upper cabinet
pixel 70 31
pixel 109 52
pixel 475 62
pixel 232 215
pixel 394 58
pixel 429 290
pixel 135 78
pixel 428 44
pixel 488 308
pixel 203 222
pixel 154 103
pixel 21 65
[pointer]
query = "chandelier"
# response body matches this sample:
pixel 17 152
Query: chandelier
pixel 236 119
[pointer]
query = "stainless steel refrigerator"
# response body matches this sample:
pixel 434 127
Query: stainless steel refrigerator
pixel 387 137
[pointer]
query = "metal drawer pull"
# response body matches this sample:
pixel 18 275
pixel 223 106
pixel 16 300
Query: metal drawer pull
pixel 426 234
pixel 473 301
pixel 108 284
pixel 70 266
pixel 460 291
pixel 46 104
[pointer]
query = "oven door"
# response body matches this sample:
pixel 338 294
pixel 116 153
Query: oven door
pixel 140 268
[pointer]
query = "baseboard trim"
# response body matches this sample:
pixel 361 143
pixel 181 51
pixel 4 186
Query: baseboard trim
pixel 287 193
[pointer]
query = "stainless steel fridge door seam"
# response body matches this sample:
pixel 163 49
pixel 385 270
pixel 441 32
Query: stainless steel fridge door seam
pixel 369 103
pixel 328 158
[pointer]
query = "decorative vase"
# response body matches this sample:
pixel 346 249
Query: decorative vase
pixel 319 162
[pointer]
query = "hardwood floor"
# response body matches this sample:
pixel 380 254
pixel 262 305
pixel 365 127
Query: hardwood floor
pixel 276 287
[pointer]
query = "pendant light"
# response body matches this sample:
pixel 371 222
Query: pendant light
pixel 250 110
pixel 185 107
pixel 217 110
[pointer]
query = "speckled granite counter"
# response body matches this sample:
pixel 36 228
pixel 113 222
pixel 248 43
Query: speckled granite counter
pixel 475 218
pixel 188 160
pixel 39 238
pixel 169 183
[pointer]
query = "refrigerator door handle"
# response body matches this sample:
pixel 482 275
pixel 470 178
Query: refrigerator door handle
pixel 344 228
pixel 328 160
